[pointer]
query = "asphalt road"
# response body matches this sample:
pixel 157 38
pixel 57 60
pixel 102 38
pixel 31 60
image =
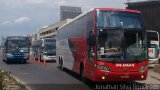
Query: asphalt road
pixel 50 77
pixel 43 77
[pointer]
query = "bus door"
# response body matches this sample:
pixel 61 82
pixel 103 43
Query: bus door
pixel 91 55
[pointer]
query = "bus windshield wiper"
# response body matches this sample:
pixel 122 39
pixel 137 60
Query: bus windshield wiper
pixel 132 28
pixel 110 28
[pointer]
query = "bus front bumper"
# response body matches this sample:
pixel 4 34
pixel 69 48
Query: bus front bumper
pixel 49 58
pixel 102 76
pixel 17 59
pixel 152 62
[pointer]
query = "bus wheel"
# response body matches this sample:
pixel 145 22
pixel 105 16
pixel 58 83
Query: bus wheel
pixel 82 73
pixel 24 62
pixel 61 63
pixel 40 57
pixel 7 61
pixel 59 60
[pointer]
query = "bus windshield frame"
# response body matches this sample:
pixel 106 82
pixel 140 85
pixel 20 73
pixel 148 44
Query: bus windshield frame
pixel 119 19
pixel 127 34
pixel 49 47
pixel 18 45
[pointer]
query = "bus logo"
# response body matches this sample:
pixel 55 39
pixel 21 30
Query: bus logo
pixel 125 65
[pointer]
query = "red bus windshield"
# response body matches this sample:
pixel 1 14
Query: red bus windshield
pixel 121 37
pixel 121 45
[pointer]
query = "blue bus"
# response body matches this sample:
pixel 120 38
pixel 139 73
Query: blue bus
pixel 16 49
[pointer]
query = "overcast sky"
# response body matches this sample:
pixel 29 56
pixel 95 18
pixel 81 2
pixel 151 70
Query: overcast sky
pixel 24 17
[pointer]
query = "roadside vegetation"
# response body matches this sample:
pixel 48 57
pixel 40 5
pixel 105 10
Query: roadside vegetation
pixel 7 82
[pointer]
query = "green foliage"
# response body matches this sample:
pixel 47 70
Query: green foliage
pixel 7 82
pixel 3 74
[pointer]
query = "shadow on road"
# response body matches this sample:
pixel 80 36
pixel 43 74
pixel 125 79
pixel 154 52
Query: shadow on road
pixel 16 62
pixel 130 85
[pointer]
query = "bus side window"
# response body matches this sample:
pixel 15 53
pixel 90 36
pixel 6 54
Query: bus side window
pixel 90 30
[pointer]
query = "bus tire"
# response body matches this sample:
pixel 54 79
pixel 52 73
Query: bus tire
pixel 40 57
pixel 82 73
pixel 61 63
pixel 59 60
pixel 3 60
pixel 24 62
pixel 7 61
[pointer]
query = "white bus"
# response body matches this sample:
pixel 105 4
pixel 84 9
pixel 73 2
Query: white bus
pixel 44 49
pixel 153 46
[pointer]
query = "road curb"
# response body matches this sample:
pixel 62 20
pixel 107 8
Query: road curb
pixel 155 78
pixel 21 82
pixel 157 68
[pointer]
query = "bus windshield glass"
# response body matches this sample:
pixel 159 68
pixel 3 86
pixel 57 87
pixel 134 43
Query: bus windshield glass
pixel 50 49
pixel 121 45
pixel 53 41
pixel 119 19
pixel 18 46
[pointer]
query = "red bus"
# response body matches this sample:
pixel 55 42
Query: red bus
pixel 104 45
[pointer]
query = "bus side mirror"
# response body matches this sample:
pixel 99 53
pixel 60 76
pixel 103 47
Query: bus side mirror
pixel 91 39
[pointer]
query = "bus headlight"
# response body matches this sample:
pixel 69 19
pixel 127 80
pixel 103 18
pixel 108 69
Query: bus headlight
pixel 9 55
pixel 104 68
pixel 44 53
pixel 142 68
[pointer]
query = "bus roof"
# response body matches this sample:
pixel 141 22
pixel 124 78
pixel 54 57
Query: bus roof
pixel 48 38
pixel 16 37
pixel 43 39
pixel 117 9
pixel 109 9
